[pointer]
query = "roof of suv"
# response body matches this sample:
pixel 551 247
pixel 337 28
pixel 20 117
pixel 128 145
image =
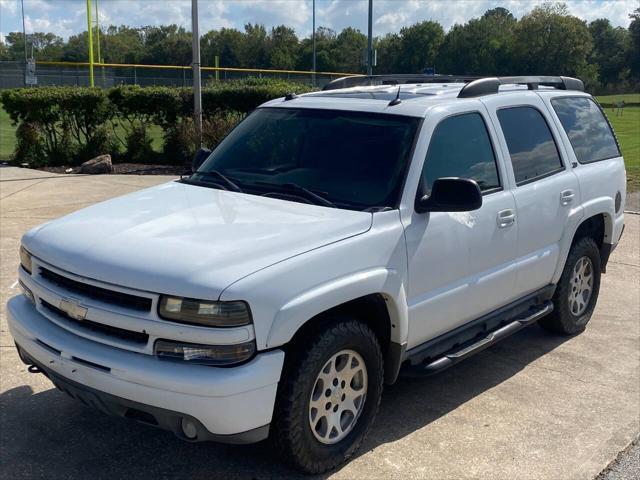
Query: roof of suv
pixel 415 98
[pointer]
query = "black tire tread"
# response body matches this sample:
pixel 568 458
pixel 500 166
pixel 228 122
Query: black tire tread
pixel 288 419
pixel 561 320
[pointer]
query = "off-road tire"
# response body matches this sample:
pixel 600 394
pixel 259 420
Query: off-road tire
pixel 291 432
pixel 562 320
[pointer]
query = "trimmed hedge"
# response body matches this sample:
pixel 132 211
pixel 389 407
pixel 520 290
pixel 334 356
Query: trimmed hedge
pixel 68 125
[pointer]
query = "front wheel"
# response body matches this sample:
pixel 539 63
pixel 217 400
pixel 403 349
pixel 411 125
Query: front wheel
pixel 329 395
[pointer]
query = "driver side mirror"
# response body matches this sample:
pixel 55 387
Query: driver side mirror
pixel 199 158
pixel 451 195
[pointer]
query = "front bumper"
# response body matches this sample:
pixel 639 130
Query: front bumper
pixel 232 405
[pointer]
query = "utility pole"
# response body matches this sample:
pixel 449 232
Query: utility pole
pixel 370 41
pixel 89 32
pixel 24 39
pixel 197 94
pixel 313 36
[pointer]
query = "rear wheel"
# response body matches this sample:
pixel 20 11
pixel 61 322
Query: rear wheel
pixel 329 396
pixel 577 291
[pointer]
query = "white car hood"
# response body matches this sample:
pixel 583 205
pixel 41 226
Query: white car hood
pixel 187 240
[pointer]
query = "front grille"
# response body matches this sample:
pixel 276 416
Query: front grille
pixel 93 327
pixel 112 297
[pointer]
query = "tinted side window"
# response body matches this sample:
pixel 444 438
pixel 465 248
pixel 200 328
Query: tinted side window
pixel 460 147
pixel 587 128
pixel 533 151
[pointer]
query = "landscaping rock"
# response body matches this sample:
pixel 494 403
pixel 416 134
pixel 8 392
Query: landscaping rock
pixel 100 164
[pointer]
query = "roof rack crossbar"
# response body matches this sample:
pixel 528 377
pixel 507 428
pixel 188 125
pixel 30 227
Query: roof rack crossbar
pixel 394 79
pixel 491 85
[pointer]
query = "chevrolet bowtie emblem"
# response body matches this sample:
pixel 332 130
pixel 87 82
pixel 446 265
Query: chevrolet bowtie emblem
pixel 73 308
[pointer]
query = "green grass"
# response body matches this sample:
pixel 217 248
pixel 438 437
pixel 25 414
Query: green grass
pixel 627 97
pixel 627 128
pixel 7 136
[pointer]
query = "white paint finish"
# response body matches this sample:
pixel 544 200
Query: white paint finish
pixel 286 295
pixel 461 266
pixel 291 261
pixel 225 400
pixel 187 240
pixel 542 215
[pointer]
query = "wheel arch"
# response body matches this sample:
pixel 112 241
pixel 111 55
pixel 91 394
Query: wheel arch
pixel 598 225
pixel 376 310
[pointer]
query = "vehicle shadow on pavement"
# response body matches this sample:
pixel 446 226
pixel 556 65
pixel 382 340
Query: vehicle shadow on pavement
pixel 48 434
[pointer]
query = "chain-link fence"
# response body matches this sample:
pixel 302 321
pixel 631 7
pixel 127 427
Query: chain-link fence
pixel 12 75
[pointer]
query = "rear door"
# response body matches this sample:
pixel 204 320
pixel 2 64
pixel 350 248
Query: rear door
pixel 546 190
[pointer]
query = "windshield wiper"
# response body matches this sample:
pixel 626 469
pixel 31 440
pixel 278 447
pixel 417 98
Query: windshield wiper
pixel 302 191
pixel 215 173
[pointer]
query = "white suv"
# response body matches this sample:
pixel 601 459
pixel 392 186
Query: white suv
pixel 385 225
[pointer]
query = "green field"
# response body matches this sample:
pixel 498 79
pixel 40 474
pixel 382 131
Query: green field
pixel 7 136
pixel 627 129
pixel 627 97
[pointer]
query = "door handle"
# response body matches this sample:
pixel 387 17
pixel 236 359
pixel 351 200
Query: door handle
pixel 506 218
pixel 566 197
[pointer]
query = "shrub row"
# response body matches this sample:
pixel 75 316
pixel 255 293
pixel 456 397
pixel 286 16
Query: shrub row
pixel 68 125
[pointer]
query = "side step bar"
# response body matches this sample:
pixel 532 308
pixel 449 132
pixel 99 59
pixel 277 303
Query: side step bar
pixel 455 356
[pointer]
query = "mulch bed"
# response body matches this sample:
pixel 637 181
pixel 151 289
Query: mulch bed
pixel 128 169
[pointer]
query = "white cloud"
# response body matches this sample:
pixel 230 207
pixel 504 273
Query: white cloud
pixel 65 17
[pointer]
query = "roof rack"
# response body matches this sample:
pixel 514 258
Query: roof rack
pixel 394 79
pixel 490 85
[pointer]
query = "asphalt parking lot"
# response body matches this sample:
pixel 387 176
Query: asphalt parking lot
pixel 535 406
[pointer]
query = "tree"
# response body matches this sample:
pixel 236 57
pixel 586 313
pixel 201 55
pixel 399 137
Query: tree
pixel 483 46
pixel 633 49
pixel 420 44
pixel 389 50
pixel 254 47
pixel 283 48
pixel 608 51
pixel 348 49
pixel 43 45
pixel 226 43
pixel 549 41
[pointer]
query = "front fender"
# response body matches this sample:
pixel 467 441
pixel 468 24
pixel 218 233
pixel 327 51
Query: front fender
pixel 299 309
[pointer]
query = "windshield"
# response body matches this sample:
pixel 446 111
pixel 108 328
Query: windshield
pixel 353 160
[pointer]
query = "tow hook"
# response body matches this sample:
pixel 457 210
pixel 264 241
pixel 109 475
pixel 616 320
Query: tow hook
pixel 33 369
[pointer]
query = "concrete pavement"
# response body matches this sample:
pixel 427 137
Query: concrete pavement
pixel 534 406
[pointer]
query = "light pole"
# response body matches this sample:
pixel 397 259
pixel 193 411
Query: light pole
pixel 370 41
pixel 197 95
pixel 313 36
pixel 24 39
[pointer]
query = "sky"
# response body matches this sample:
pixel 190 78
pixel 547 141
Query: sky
pixel 67 17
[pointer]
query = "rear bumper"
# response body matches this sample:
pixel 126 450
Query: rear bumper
pixel 232 405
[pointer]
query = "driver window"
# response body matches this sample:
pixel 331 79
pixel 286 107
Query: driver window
pixel 460 147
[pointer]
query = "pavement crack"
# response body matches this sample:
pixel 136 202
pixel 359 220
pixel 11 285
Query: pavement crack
pixel 23 189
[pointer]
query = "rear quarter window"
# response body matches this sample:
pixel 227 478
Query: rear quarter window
pixel 587 128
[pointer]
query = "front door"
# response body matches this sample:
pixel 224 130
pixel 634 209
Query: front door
pixel 461 265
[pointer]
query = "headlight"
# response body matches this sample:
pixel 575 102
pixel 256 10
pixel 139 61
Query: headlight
pixel 25 259
pixel 204 354
pixel 205 312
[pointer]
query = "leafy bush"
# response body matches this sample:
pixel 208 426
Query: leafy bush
pixel 139 143
pixel 67 125
pixel 69 120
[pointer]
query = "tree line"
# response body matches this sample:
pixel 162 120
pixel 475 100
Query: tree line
pixel 546 41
